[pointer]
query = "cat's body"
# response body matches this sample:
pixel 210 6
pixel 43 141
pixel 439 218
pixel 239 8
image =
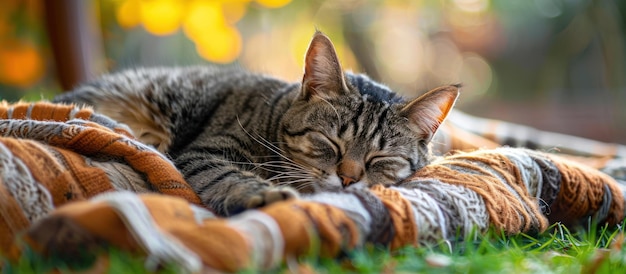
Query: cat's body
pixel 239 138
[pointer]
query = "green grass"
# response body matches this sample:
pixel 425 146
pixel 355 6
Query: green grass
pixel 558 250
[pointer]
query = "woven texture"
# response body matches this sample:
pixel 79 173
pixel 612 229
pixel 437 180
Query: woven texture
pixel 54 154
pixel 72 184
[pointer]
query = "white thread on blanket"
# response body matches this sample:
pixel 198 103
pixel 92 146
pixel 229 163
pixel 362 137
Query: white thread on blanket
pixel 72 114
pixel 108 122
pixel 75 126
pixel 263 235
pixel 603 211
pixel 45 130
pixel 34 199
pixel 15 128
pixel 529 170
pixel 201 214
pixel 29 111
pixel 518 190
pixel 616 168
pixel 160 246
pixel 31 129
pixel 502 180
pixel 10 113
pixel 429 217
pixel 462 208
pixel 13 225
pixel 350 205
pixel 492 172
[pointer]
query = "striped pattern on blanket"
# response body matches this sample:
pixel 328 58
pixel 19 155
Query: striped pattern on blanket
pixel 51 155
pixel 72 179
pixel 514 190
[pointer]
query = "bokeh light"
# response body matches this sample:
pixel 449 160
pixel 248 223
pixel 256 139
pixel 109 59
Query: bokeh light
pixel 21 64
pixel 472 5
pixel 273 3
pixel 128 14
pixel 161 17
pixel 234 10
pixel 208 23
pixel 476 76
pixel 222 46
pixel 203 16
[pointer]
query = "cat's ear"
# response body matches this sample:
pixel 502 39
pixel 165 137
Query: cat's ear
pixel 323 76
pixel 427 112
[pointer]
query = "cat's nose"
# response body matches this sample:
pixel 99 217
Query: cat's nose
pixel 350 172
pixel 347 180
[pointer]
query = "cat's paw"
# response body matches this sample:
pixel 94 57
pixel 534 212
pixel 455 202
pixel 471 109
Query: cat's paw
pixel 271 195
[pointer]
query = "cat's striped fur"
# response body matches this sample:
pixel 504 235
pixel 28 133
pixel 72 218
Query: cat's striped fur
pixel 244 140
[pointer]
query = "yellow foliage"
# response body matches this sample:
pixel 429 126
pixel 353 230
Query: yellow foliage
pixel 204 22
pixel 209 23
pixel 202 16
pixel 128 14
pixel 273 3
pixel 161 17
pixel 234 10
pixel 221 44
pixel 21 64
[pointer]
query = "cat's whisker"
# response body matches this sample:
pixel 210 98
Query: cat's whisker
pixel 281 178
pixel 304 185
pixel 289 171
pixel 297 166
pixel 295 181
pixel 296 173
pixel 277 169
pixel 277 163
pixel 279 152
pixel 284 177
pixel 269 145
pixel 259 139
pixel 233 162
pixel 298 184
pixel 285 165
pixel 271 166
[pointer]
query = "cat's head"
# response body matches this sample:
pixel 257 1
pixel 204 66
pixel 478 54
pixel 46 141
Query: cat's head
pixel 346 130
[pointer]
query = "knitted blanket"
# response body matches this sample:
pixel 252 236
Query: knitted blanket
pixel 73 180
pixel 53 154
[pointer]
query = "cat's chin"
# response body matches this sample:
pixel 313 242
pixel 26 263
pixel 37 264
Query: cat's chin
pixel 324 186
pixel 357 185
pixel 336 187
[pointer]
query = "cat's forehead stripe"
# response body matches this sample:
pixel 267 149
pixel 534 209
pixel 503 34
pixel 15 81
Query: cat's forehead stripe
pixel 373 91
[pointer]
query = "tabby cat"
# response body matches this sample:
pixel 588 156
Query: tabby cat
pixel 243 140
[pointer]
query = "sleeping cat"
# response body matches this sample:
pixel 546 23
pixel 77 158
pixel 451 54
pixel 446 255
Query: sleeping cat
pixel 243 140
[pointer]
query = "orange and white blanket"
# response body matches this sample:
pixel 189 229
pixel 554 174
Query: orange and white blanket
pixel 73 180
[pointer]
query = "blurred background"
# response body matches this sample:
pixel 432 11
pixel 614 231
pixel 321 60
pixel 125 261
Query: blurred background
pixel 557 65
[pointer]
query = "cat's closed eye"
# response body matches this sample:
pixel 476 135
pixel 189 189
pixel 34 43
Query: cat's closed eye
pixel 391 168
pixel 315 148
